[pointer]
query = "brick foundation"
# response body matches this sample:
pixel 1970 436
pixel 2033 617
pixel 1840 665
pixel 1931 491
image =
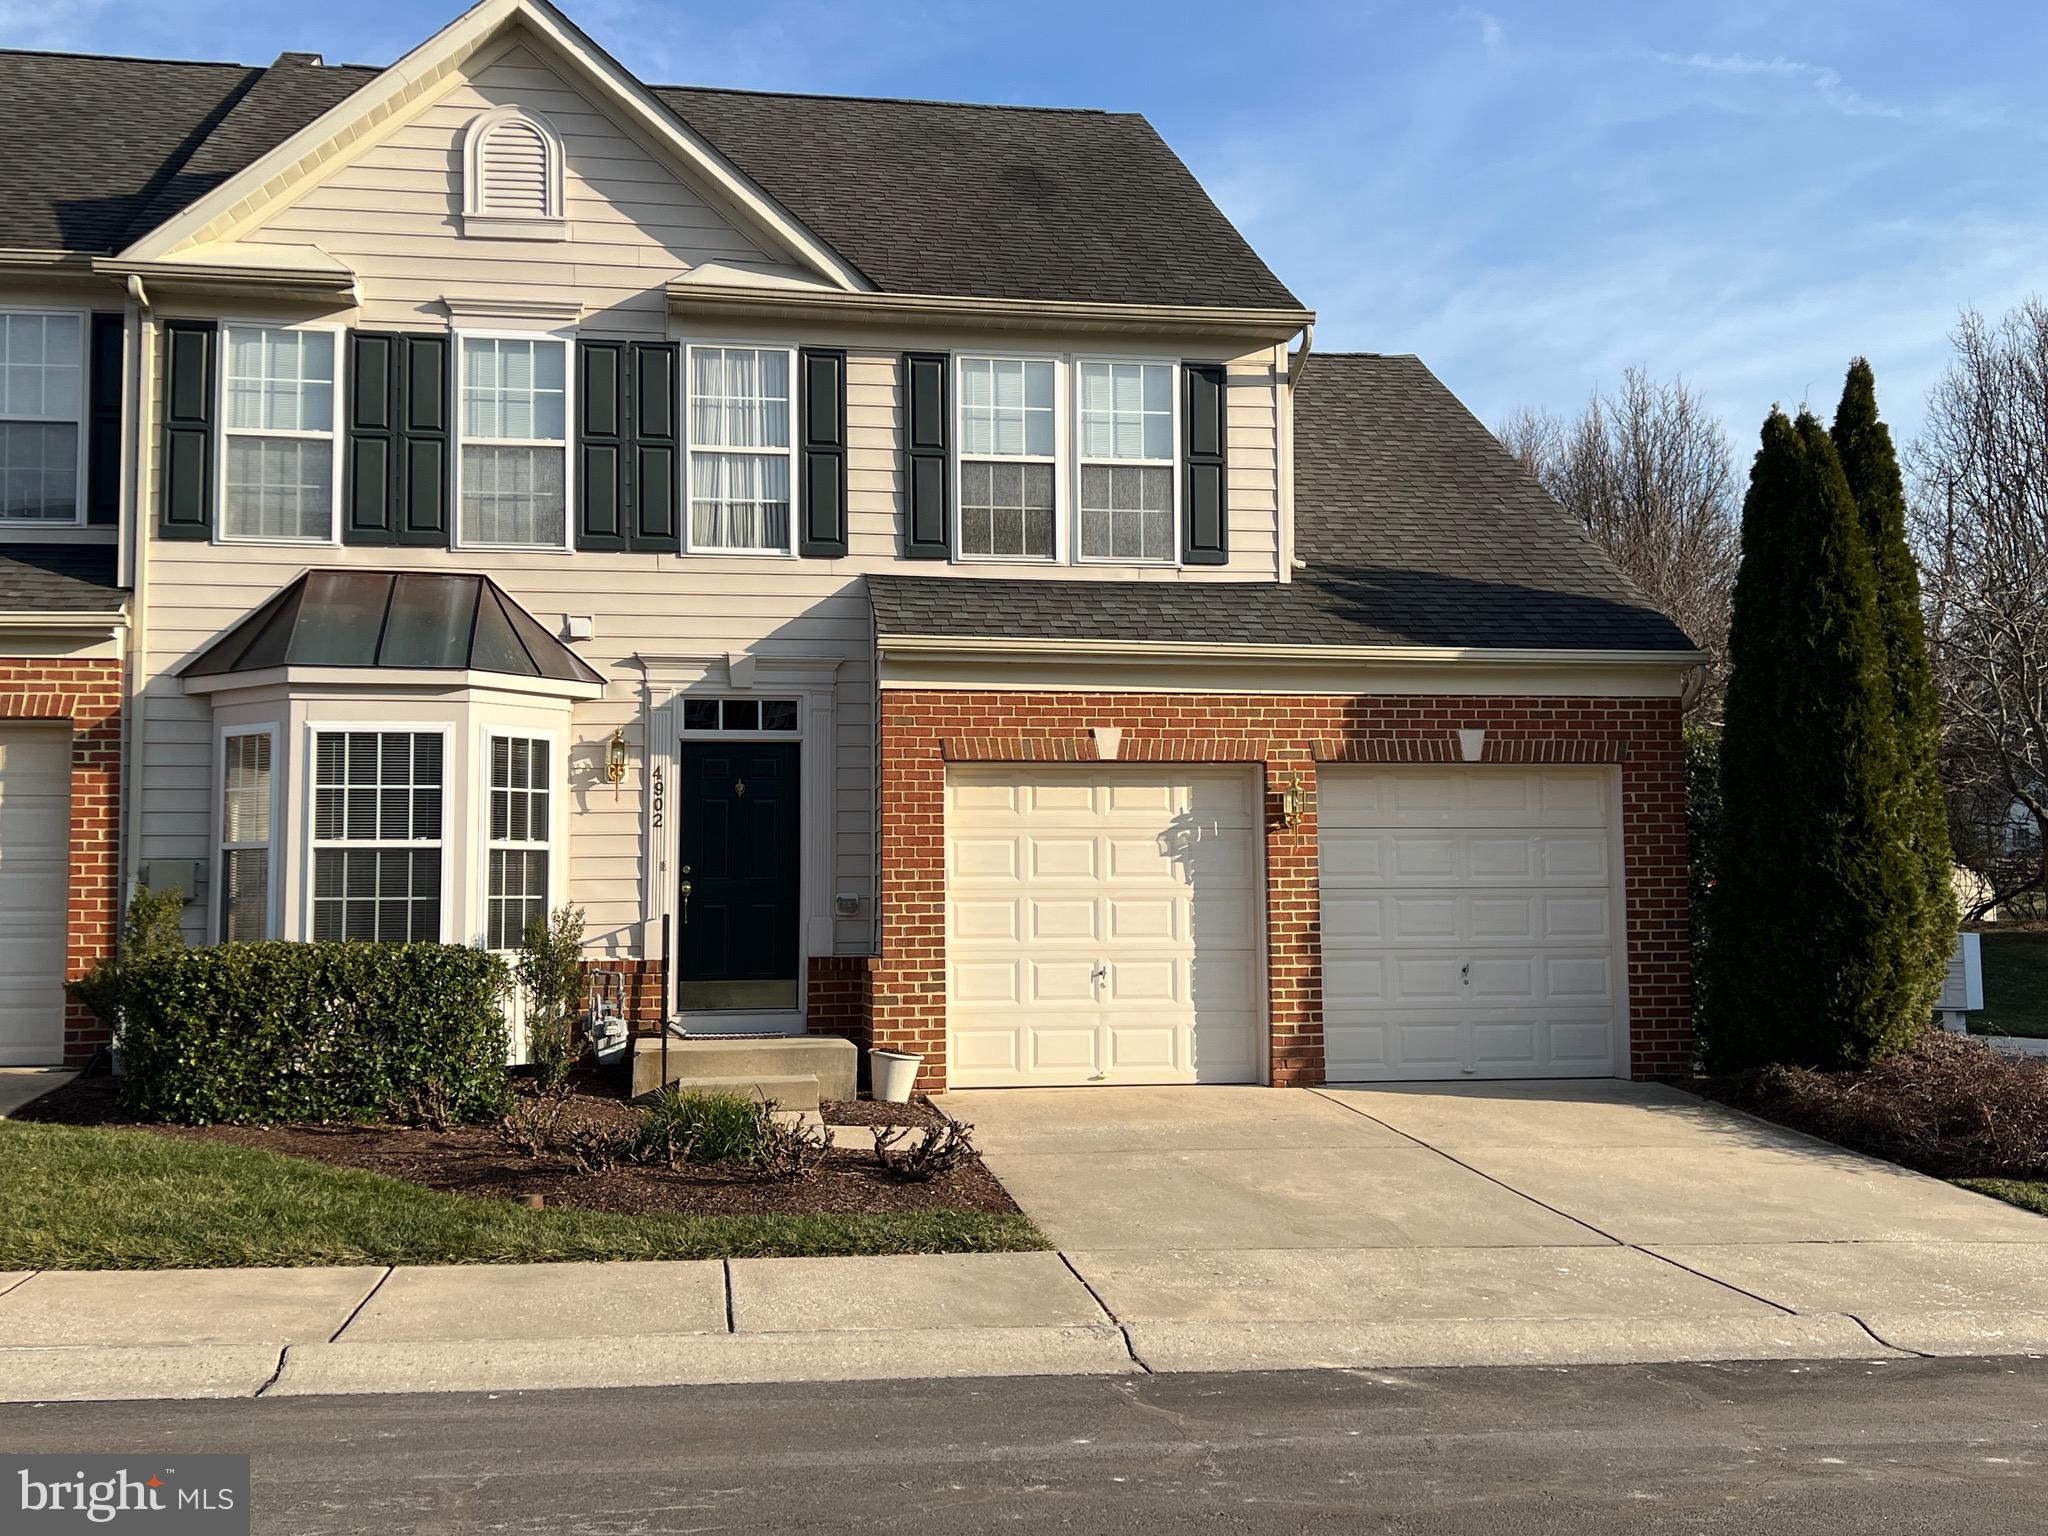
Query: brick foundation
pixel 1289 737
pixel 86 696
pixel 840 997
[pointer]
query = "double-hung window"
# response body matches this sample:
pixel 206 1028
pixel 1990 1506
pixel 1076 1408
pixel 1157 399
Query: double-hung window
pixel 377 866
pixel 517 892
pixel 1007 464
pixel 1126 457
pixel 245 811
pixel 278 424
pixel 514 460
pixel 740 425
pixel 42 389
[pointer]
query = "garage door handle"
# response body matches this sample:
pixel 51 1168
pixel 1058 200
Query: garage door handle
pixel 1465 973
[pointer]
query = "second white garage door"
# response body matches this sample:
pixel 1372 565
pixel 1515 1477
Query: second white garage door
pixel 1470 923
pixel 1102 925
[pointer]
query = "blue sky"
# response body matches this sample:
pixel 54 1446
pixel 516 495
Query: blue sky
pixel 1531 196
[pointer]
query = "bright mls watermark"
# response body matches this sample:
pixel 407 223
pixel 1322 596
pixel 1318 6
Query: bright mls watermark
pixel 159 1495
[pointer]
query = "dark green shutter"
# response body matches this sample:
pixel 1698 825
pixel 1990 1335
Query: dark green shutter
pixel 104 392
pixel 626 445
pixel 821 465
pixel 1205 519
pixel 927 504
pixel 654 485
pixel 601 445
pixel 395 486
pixel 185 509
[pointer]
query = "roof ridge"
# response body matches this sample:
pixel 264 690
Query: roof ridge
pixel 898 101
pixel 124 58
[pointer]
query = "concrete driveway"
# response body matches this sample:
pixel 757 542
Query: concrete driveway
pixel 1437 1223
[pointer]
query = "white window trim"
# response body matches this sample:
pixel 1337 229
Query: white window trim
pixel 478 217
pixel 702 696
pixel 310 800
pixel 221 434
pixel 558 810
pixel 1171 464
pixel 1060 452
pixel 567 338
pixel 216 883
pixel 691 450
pixel 82 421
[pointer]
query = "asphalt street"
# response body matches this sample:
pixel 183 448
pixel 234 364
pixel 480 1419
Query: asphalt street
pixel 1901 1445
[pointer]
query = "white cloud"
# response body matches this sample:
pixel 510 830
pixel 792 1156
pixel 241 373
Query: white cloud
pixel 1823 81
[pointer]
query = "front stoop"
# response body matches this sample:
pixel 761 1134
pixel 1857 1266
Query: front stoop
pixel 773 1068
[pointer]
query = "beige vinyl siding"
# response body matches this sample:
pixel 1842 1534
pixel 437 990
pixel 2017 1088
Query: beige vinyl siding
pixel 633 225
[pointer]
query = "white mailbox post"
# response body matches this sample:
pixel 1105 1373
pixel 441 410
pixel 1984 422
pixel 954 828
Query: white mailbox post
pixel 1962 991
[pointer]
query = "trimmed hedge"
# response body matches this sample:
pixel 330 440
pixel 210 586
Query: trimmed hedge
pixel 256 1033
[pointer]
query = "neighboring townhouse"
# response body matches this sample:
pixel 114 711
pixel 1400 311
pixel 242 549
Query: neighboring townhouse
pixel 900 567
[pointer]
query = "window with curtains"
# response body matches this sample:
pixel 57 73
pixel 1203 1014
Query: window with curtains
pixel 377 809
pixel 740 459
pixel 514 460
pixel 1007 458
pixel 42 395
pixel 277 424
pixel 1126 458
pixel 517 888
pixel 245 807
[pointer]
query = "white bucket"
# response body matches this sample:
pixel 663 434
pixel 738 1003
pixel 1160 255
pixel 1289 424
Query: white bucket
pixel 893 1073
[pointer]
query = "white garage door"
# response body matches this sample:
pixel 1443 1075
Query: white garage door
pixel 1470 923
pixel 1102 925
pixel 35 848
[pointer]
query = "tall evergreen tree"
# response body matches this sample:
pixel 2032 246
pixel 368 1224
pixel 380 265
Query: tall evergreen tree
pixel 1745 943
pixel 1812 914
pixel 1871 468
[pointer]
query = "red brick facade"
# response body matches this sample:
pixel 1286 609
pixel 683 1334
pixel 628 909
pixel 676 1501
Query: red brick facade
pixel 1288 736
pixel 85 695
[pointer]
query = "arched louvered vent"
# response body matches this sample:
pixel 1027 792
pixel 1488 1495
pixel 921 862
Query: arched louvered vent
pixel 512 166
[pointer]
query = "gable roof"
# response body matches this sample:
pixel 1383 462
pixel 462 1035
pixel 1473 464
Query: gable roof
pixel 1416 529
pixel 918 196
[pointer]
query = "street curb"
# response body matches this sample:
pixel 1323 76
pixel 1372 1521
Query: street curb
pixel 120 1372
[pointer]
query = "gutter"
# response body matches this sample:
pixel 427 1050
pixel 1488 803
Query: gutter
pixel 1109 650
pixel 33 259
pixel 966 310
pixel 316 283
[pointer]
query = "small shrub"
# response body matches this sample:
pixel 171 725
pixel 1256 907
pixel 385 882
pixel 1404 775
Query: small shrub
pixel 151 927
pixel 550 973
pixel 280 1031
pixel 687 1125
pixel 1946 1105
pixel 790 1149
pixel 935 1152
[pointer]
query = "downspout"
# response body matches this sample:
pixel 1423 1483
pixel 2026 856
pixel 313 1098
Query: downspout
pixel 1284 457
pixel 134 477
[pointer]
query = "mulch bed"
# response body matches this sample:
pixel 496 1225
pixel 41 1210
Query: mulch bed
pixel 919 1111
pixel 475 1160
pixel 1947 1105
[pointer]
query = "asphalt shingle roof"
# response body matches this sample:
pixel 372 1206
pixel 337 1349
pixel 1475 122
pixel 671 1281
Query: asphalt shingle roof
pixel 58 578
pixel 922 197
pixel 1415 526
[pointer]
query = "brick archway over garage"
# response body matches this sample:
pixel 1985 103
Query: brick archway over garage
pixel 1289 736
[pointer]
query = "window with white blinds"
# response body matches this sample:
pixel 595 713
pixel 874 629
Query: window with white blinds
pixel 517 890
pixel 377 850
pixel 42 394
pixel 245 812
pixel 515 429
pixel 279 430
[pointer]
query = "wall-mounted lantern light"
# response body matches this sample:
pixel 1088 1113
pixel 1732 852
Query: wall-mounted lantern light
pixel 615 759
pixel 1290 802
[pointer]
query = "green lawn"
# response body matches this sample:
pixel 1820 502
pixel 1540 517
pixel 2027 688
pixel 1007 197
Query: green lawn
pixel 76 1198
pixel 2031 1194
pixel 2015 985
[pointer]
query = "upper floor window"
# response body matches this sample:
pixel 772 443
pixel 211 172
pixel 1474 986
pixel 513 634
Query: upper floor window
pixel 512 175
pixel 740 450
pixel 42 389
pixel 279 430
pixel 1007 458
pixel 513 465
pixel 1126 460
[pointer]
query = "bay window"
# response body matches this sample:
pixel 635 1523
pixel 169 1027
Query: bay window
pixel 278 429
pixel 1126 460
pixel 739 447
pixel 377 815
pixel 42 391
pixel 516 891
pixel 245 817
pixel 1007 458
pixel 513 466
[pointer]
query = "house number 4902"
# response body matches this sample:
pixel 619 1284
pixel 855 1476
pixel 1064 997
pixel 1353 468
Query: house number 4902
pixel 658 796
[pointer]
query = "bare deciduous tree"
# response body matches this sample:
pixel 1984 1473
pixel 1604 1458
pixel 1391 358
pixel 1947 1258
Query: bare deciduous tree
pixel 1650 473
pixel 1980 482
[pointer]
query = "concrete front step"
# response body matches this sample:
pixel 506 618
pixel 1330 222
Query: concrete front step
pixel 832 1062
pixel 790 1094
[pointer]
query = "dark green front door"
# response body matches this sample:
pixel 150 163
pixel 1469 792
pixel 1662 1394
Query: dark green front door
pixel 740 854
